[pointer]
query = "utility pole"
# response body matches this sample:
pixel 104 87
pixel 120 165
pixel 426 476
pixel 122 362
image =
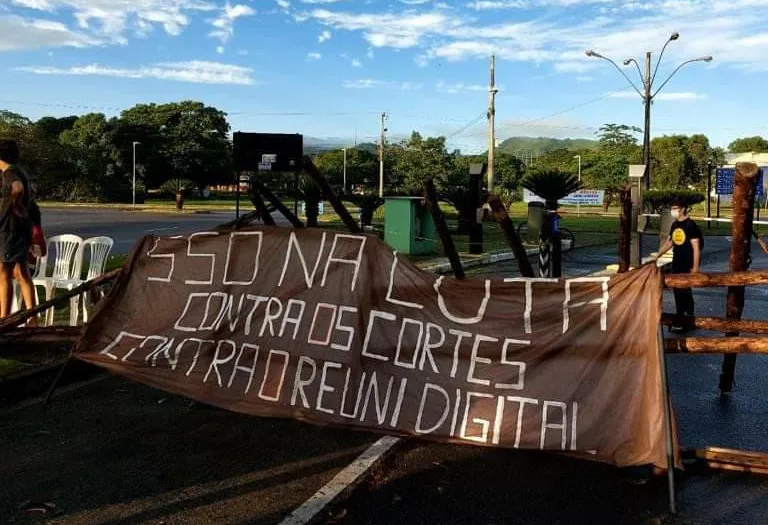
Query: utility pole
pixel 381 156
pixel 578 205
pixel 344 191
pixel 491 122
pixel 135 143
pixel 648 99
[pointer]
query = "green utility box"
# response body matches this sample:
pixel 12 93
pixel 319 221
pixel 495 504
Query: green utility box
pixel 408 226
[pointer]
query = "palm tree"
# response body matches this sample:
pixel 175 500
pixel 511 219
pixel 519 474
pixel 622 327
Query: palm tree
pixel 551 185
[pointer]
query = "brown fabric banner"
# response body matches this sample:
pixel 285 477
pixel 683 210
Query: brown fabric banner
pixel 333 328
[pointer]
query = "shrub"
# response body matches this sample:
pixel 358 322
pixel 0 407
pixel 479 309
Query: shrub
pixel 657 200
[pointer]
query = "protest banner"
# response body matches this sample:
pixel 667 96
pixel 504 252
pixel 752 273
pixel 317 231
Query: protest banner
pixel 335 328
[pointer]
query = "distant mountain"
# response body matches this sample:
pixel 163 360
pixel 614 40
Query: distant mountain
pixel 317 144
pixel 540 145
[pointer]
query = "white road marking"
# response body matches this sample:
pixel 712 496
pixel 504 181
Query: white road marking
pixel 164 229
pixel 352 473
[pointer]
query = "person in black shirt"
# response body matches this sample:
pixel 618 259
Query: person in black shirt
pixel 15 229
pixel 686 242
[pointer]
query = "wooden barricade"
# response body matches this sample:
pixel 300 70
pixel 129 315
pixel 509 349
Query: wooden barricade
pixel 732 325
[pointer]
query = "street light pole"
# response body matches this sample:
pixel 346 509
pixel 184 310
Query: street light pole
pixel 345 171
pixel 578 204
pixel 648 94
pixel 647 100
pixel 135 143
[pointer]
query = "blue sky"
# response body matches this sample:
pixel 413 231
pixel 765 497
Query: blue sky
pixel 328 68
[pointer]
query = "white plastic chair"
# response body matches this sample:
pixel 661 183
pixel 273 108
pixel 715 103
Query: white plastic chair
pixel 98 249
pixel 38 272
pixel 67 269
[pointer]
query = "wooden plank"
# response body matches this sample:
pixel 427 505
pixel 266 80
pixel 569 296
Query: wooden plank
pixel 277 203
pixel 737 468
pixel 510 234
pixel 430 195
pixel 239 222
pixel 716 345
pixel 717 324
pixel 341 210
pixel 255 195
pixel 713 280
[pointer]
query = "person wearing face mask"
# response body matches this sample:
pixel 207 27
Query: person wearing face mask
pixel 686 242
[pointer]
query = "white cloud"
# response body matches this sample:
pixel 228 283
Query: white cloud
pixel 285 4
pixel 400 31
pixel 370 54
pixel 314 56
pixel 368 83
pixel 482 5
pixel 109 19
pixel 686 96
pixel 220 49
pixel 224 23
pixel 731 31
pixel 356 63
pixel 324 36
pixel 459 87
pixel 17 33
pixel 194 71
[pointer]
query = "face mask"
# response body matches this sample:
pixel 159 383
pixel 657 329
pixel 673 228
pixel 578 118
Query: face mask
pixel 675 213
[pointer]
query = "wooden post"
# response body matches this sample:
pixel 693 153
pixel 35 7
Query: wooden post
pixel 341 210
pixel 744 188
pixel 625 228
pixel 261 207
pixel 277 203
pixel 442 229
pixel 510 234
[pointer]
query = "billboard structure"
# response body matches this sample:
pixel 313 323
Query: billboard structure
pixel 267 153
pixel 276 152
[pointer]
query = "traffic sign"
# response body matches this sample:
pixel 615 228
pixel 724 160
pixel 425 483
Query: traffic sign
pixel 724 181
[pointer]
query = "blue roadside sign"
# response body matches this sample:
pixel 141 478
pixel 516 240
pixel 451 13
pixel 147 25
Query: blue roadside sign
pixel 724 181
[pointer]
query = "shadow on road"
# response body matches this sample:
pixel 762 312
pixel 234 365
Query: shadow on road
pixel 117 452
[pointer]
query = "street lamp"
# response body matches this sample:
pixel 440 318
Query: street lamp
pixel 648 93
pixel 345 171
pixel 578 204
pixel 135 143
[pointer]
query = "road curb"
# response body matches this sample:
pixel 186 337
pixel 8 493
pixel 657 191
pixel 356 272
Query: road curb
pixel 473 262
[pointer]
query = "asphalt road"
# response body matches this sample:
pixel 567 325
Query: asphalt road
pixel 125 227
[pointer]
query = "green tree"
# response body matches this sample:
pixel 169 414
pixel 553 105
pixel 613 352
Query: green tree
pixel 680 160
pixel 607 167
pixel 422 159
pixel 617 136
pixel 186 140
pixel 748 145
pixel 362 164
pixel 87 148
